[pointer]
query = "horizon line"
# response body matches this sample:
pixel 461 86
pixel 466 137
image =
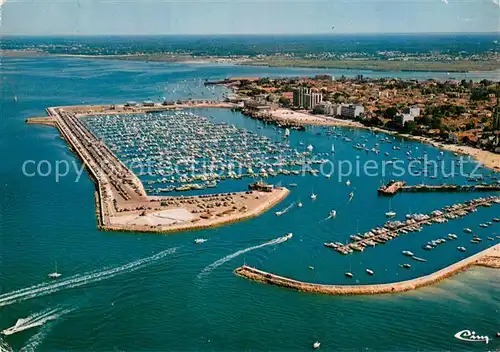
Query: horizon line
pixel 245 34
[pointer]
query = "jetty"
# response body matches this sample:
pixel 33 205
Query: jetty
pixel 122 204
pixel 413 223
pixel 489 258
pixel 394 187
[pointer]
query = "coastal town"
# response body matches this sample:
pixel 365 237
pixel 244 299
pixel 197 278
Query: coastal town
pixel 456 112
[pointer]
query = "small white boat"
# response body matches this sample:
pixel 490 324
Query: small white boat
pixel 461 249
pixel 299 204
pixel 288 236
pixel 467 230
pixel 200 240
pixel 316 345
pixel 310 148
pixel 348 274
pixel 347 183
pixel 408 253
pixel 279 213
pixel 311 267
pixel 390 214
pixel 313 196
pixel 55 274
pixel 351 195
pixel 369 272
pixel 333 214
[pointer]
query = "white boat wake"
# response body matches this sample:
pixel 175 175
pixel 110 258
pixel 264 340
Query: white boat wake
pixel 36 339
pixel 36 319
pixel 227 258
pixel 79 280
pixel 4 346
pixel 281 212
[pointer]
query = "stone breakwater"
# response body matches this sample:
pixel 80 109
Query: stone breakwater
pixel 121 201
pixel 489 257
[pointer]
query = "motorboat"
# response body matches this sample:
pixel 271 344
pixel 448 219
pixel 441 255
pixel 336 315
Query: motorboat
pixel 313 196
pixel 316 345
pixel 200 240
pixel 348 274
pixel 370 272
pixel 408 253
pixel 390 214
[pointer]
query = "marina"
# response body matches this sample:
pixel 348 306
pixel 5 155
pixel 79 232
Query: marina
pixel 121 199
pixel 413 223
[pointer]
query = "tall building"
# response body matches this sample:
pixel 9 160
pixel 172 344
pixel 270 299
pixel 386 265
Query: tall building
pixel 496 116
pixel 312 99
pixel 299 96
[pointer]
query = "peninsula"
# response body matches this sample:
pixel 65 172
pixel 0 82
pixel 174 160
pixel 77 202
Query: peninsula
pixel 122 203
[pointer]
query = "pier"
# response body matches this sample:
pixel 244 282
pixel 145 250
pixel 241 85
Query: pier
pixel 122 203
pixel 489 258
pixel 393 229
pixel 394 187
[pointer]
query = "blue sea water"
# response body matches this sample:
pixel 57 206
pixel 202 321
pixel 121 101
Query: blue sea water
pixel 165 304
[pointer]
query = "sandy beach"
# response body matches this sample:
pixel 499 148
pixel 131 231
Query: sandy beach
pixel 488 159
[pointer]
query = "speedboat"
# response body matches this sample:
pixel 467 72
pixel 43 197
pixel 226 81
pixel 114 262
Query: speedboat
pixel 200 240
pixel 12 329
pixel 289 235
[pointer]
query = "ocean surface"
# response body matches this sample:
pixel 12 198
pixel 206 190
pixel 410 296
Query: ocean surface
pixel 139 292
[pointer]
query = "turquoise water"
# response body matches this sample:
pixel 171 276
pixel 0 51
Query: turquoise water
pixel 167 304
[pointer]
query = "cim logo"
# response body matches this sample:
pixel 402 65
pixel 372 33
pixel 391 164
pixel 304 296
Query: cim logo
pixel 467 335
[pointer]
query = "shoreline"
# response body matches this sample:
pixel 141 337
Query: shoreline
pixel 365 65
pixel 488 159
pixel 121 203
pixel 489 257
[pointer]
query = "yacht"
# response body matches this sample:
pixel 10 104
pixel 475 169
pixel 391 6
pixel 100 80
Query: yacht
pixel 333 214
pixel 461 249
pixel 467 230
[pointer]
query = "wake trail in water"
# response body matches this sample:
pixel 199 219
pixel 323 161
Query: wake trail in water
pixel 286 210
pixel 207 270
pixel 4 346
pixel 37 319
pixel 36 339
pixel 79 280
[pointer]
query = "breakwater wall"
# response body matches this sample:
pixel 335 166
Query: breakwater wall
pixel 272 279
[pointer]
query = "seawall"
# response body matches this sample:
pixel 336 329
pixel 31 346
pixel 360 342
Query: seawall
pixel 489 257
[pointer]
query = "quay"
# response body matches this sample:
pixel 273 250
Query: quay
pixel 394 187
pixel 489 258
pixel 393 229
pixel 121 201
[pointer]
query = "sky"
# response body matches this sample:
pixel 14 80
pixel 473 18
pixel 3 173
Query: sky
pixel 171 17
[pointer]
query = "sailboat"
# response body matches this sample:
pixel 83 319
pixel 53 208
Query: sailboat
pixel 333 148
pixel 55 274
pixel 313 196
pixel 299 204
pixel 348 183
pixel 390 213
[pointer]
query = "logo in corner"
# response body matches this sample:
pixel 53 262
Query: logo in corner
pixel 467 335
